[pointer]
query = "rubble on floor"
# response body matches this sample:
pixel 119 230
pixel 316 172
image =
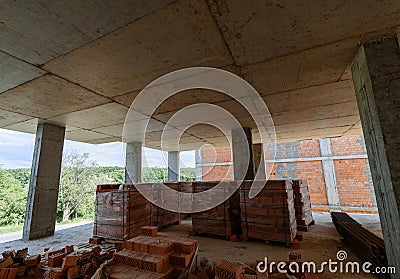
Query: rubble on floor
pixel 71 262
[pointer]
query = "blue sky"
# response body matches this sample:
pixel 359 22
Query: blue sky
pixel 16 151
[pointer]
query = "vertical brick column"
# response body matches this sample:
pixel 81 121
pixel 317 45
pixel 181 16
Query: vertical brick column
pixel 376 77
pixel 41 208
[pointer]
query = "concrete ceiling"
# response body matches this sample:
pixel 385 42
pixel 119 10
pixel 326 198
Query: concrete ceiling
pixel 80 64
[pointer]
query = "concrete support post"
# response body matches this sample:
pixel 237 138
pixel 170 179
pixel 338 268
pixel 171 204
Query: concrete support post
pixel 328 168
pixel 376 76
pixel 41 208
pixel 133 163
pixel 199 168
pixel 173 166
pixel 242 149
pixel 259 162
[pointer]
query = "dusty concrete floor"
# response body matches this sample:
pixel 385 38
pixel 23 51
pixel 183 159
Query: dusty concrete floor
pixel 319 244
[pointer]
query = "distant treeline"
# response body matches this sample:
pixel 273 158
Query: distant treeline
pixel 78 181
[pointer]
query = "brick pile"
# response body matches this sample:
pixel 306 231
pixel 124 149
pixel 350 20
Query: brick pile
pixel 302 205
pixel 221 220
pixel 229 270
pixel 159 216
pixel 152 257
pixel 65 263
pixel 121 211
pixel 271 214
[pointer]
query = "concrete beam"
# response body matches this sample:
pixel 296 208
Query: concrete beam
pixel 173 166
pixel 41 208
pixel 259 162
pixel 242 149
pixel 376 72
pixel 133 162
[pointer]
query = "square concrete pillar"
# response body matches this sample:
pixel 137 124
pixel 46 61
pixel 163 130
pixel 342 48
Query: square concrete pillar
pixel 41 208
pixel 173 166
pixel 376 77
pixel 259 162
pixel 242 149
pixel 133 162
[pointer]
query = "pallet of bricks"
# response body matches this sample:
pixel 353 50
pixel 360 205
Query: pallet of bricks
pixel 302 204
pixel 120 212
pixel 161 217
pixel 222 220
pixel 271 214
pixel 151 256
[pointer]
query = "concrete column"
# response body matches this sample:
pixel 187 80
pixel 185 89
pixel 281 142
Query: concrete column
pixel 242 149
pixel 199 168
pixel 376 77
pixel 328 168
pixel 41 208
pixel 133 163
pixel 259 161
pixel 173 166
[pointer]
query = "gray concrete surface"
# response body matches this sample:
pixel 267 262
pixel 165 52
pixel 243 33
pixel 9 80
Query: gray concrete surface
pixel 376 70
pixel 41 207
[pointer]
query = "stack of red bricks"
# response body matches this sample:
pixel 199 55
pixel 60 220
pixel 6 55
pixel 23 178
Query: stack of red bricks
pixel 271 214
pixel 218 220
pixel 120 212
pixel 161 217
pixel 152 256
pixel 302 204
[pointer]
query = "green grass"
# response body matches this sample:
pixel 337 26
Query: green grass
pixel 11 228
pixel 16 228
pixel 77 220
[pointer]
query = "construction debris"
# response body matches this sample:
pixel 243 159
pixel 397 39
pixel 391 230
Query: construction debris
pixel 69 262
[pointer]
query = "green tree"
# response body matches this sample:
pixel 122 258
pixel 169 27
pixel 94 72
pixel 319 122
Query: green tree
pixel 13 198
pixel 79 177
pixel 21 175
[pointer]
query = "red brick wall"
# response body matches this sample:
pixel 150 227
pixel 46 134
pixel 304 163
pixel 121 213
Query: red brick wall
pixel 353 183
pixel 353 176
pixel 216 173
pixel 348 146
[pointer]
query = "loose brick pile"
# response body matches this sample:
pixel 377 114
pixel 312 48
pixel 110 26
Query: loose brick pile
pixel 229 270
pixel 152 257
pixel 65 263
pixel 271 214
pixel 302 205
pixel 121 211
